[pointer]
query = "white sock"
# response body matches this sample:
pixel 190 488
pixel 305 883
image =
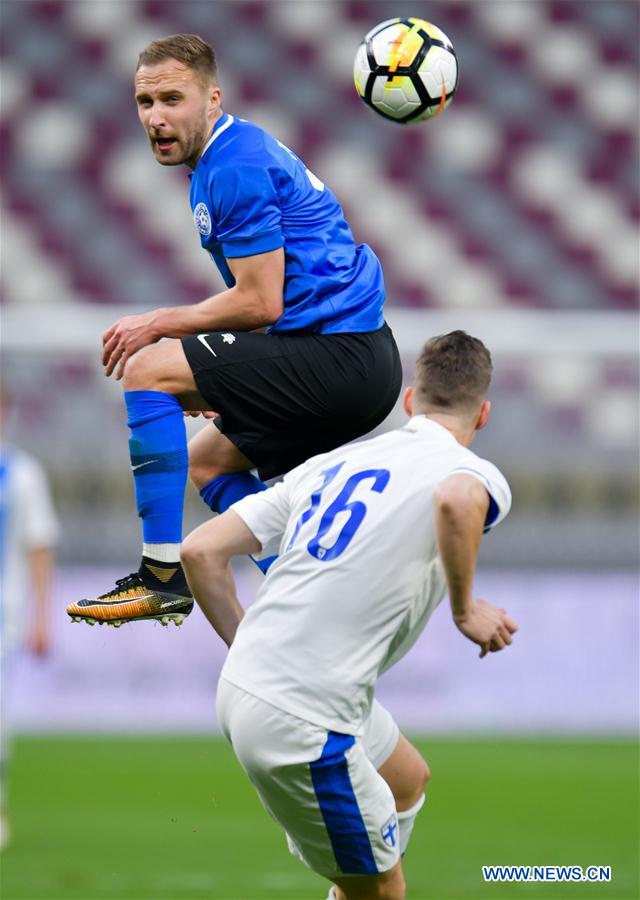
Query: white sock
pixel 169 553
pixel 406 821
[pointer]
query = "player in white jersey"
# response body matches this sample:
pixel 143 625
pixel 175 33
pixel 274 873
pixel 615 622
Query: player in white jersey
pixel 369 538
pixel 28 533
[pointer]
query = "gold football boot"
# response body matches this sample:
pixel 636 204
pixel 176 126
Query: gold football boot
pixel 157 591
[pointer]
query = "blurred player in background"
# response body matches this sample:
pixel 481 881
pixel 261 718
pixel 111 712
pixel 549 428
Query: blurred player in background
pixel 28 533
pixel 369 538
pixel 327 371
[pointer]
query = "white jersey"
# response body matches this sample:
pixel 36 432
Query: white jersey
pixel 27 520
pixel 358 573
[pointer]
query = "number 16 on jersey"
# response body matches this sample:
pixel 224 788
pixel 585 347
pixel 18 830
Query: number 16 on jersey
pixel 343 503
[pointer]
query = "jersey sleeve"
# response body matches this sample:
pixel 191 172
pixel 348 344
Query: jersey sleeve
pixel 247 211
pixel 496 486
pixel 266 514
pixel 40 523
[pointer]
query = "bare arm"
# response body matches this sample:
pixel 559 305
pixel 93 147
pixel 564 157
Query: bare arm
pixel 461 504
pixel 256 300
pixel 206 556
pixel 41 559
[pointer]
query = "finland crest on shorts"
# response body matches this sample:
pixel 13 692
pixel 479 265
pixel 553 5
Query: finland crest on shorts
pixel 389 831
pixel 202 219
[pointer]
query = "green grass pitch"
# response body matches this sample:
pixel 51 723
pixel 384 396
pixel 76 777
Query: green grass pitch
pixel 176 818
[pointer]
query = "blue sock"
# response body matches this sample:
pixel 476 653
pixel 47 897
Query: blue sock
pixel 160 462
pixel 222 492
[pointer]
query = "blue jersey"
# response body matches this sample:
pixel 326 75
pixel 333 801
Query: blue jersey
pixel 251 194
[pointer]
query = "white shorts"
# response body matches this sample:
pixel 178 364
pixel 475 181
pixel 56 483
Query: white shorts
pixel 380 736
pixel 338 812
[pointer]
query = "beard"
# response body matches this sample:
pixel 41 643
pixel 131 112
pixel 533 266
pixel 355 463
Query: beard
pixel 183 151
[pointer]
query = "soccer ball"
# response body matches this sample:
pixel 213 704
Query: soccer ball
pixel 406 70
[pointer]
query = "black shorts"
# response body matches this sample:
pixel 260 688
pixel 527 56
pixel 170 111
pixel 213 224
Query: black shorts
pixel 282 398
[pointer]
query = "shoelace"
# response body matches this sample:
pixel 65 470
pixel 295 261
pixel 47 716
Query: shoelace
pixel 123 584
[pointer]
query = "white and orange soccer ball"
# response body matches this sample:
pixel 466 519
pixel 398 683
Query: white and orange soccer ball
pixel 406 70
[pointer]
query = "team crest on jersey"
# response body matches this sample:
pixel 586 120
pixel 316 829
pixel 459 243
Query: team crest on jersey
pixel 389 831
pixel 202 219
pixel 228 338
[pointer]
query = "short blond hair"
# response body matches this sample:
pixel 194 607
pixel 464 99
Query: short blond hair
pixel 453 371
pixel 188 49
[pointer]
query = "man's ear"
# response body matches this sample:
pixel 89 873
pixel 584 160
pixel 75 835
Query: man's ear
pixel 407 401
pixel 483 415
pixel 215 98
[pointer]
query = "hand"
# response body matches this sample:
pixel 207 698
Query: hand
pixel 486 625
pixel 38 642
pixel 205 413
pixel 126 337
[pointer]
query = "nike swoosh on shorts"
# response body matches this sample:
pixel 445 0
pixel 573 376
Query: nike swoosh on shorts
pixel 201 338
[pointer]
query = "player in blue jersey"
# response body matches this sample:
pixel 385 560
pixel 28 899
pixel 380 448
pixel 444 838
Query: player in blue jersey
pixel 294 358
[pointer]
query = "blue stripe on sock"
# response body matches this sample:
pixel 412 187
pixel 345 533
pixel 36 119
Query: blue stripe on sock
pixel 339 807
pixel 149 463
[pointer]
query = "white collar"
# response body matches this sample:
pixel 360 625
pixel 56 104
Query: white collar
pixel 217 131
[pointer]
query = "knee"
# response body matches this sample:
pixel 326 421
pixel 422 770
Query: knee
pixel 413 786
pixel 202 468
pixel 141 371
pixel 193 551
pixel 424 775
pixel 418 784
